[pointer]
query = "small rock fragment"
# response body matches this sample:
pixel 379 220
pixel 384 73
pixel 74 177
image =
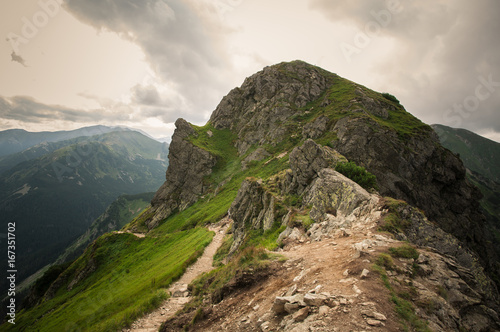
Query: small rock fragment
pixel 291 307
pixel 373 322
pixel 315 300
pixel 292 290
pixel 300 315
pixel 324 310
pixel 379 316
pixel 374 315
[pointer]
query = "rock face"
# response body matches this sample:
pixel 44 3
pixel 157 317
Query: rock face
pixel 318 120
pixel 335 201
pixel 188 165
pixel 294 102
pixel 420 231
pixel 257 110
pixel 334 194
pixel 451 297
pixel 253 207
pixel 407 159
pixel 307 160
pixel 418 171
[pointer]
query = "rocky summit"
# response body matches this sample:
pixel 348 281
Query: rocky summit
pixel 293 102
pixel 343 213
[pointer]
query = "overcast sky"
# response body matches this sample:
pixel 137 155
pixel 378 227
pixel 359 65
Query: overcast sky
pixel 144 63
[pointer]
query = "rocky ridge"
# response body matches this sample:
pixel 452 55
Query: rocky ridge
pixel 290 102
pixel 314 120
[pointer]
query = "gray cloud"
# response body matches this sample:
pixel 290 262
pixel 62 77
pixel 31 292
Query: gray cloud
pixel 442 49
pixel 180 42
pixel 28 110
pixel 146 103
pixel 146 95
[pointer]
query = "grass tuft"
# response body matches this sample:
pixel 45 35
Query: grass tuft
pixel 404 251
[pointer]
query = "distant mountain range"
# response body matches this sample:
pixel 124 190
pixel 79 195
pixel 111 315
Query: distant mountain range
pixel 479 154
pixel 117 214
pixel 53 191
pixel 16 140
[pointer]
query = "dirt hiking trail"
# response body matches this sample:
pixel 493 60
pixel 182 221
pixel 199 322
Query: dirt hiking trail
pixel 180 295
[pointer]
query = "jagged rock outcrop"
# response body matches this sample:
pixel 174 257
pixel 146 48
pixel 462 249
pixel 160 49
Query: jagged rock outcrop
pixel 318 120
pixel 188 165
pixel 316 128
pixel 452 297
pixel 417 229
pixel 254 207
pixel 419 171
pixel 406 157
pixel 307 160
pixel 336 198
pixel 374 132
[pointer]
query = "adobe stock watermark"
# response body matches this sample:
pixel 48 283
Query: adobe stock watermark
pixel 372 29
pixel 31 26
pixel 226 6
pixel 72 161
pixel 455 116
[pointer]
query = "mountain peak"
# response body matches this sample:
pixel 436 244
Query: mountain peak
pixel 275 94
pixel 280 107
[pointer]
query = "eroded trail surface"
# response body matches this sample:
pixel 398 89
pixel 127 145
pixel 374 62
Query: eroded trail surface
pixel 180 295
pixel 332 266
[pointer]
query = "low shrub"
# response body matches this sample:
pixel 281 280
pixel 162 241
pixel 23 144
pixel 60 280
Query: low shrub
pixel 358 174
pixel 390 97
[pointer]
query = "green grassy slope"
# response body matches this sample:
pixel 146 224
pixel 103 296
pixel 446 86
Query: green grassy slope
pixel 128 281
pixel 482 157
pixel 118 214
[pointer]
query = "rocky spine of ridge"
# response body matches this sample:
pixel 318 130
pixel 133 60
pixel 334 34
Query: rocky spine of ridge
pixel 306 293
pixel 412 167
